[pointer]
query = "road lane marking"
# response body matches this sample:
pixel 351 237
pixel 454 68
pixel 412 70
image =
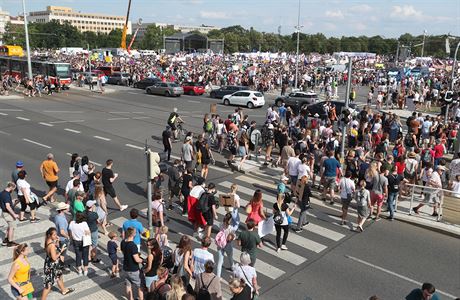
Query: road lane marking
pixel 37 143
pixel 10 109
pixel 133 93
pixel 3 114
pixel 93 162
pixel 72 130
pixel 5 133
pixel 57 122
pixel 134 146
pixel 64 111
pixel 193 101
pixel 46 124
pixel 119 112
pixel 101 138
pixel 395 274
pixel 140 118
pixel 76 121
pixel 116 119
pixel 21 118
pixel 138 112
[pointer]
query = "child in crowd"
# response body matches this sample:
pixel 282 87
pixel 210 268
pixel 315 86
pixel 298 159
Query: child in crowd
pixel 112 248
pixel 163 237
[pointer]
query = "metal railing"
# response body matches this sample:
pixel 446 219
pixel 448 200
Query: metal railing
pixel 428 189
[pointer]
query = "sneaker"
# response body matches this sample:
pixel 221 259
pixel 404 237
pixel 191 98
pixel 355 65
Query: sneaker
pixel 12 244
pixel 36 220
pixel 113 275
pixel 5 242
pixel 435 214
pixel 391 218
pixel 200 235
pixel 298 230
pixel 415 210
pixel 185 214
pixel 170 207
pixel 377 219
pixel 123 207
pixel 85 273
pixel 278 250
pixel 306 223
pixel 283 247
pixel 79 273
pixel 360 229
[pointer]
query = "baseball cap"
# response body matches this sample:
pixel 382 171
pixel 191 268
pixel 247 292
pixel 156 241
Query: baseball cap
pixel 90 203
pixel 19 164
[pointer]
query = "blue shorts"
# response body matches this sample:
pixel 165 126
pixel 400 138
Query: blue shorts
pixel 293 179
pixel 94 238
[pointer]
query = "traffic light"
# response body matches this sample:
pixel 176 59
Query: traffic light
pixel 154 164
pixel 448 96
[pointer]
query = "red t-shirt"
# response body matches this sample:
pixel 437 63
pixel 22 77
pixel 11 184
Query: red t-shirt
pixel 400 167
pixel 438 151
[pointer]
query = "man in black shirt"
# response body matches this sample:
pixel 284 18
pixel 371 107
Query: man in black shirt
pixel 394 180
pixel 108 177
pixel 173 182
pixel 131 261
pixel 8 214
pixel 166 136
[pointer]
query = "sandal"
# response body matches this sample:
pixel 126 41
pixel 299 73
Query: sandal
pixel 69 290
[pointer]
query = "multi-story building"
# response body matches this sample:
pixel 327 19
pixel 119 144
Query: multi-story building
pixel 182 28
pixel 82 21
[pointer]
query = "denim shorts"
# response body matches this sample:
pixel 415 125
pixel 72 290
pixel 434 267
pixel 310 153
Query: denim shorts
pixel 94 238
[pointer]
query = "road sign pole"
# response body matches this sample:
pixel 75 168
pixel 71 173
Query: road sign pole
pixel 149 192
pixel 256 145
pixel 347 98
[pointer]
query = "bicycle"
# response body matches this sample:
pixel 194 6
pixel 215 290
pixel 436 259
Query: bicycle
pixel 181 131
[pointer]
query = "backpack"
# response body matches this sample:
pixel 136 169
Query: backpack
pixel 208 126
pixel 395 152
pixel 167 257
pixel 278 216
pixel 330 146
pixel 156 295
pixel 203 292
pixel 221 239
pixel 172 118
pixel 426 157
pixel 203 203
pixel 408 140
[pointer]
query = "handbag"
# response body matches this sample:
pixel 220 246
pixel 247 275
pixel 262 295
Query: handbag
pixel 27 288
pixel 86 240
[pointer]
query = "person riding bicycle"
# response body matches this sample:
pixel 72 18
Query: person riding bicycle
pixel 173 119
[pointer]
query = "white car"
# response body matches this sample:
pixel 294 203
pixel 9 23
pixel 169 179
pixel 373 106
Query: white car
pixel 250 99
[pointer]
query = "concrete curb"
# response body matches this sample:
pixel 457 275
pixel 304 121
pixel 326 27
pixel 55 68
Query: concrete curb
pixel 414 220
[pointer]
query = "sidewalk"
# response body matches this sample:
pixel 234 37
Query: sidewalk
pixel 424 219
pixel 107 89
pixel 403 113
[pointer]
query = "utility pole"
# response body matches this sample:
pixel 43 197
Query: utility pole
pixel 446 118
pixel 347 99
pixel 297 52
pixel 26 29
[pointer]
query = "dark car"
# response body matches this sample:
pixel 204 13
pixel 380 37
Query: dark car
pixel 226 90
pixel 118 78
pixel 144 83
pixel 193 88
pixel 297 99
pixel 319 108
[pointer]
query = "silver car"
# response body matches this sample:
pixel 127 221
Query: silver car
pixel 165 88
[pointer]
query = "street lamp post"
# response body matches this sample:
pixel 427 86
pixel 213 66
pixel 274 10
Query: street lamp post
pixel 423 44
pixel 26 29
pixel 297 52
pixel 446 118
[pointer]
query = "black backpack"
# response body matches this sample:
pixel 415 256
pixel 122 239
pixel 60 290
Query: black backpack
pixel 330 146
pixel 156 295
pixel 408 140
pixel 203 203
pixel 203 292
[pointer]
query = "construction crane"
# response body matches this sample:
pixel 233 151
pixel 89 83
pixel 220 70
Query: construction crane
pixel 125 28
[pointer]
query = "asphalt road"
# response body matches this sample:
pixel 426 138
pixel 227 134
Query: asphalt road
pixel 118 124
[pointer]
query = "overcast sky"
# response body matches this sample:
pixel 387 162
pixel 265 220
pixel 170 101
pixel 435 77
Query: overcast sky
pixel 388 18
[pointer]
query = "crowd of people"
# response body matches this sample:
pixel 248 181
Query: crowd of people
pixel 383 159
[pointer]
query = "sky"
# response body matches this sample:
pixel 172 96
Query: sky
pixel 387 18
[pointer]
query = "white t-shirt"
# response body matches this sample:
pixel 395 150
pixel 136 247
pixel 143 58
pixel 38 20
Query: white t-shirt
pixel 69 185
pixel 200 257
pixel 22 184
pixel 376 127
pixel 347 186
pixel 78 230
pixel 293 164
pixel 197 191
pixel 249 271
pixel 456 189
pixel 303 170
